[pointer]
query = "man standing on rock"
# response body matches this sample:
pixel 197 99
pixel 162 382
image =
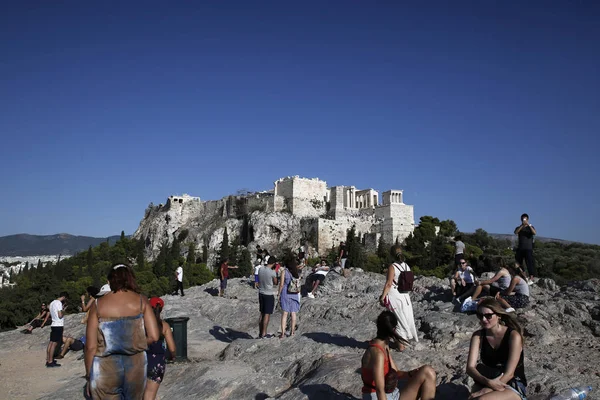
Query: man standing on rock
pixel 267 279
pixel 179 280
pixel 224 275
pixel 56 330
pixel 526 231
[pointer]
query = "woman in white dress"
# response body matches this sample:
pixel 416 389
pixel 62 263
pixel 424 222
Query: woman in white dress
pixel 399 302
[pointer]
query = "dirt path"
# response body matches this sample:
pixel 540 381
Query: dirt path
pixel 23 374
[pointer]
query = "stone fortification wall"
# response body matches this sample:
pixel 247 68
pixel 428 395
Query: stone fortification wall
pixel 305 197
pixel 397 221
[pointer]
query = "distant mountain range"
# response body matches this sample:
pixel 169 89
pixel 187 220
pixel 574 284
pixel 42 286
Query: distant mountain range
pixel 35 245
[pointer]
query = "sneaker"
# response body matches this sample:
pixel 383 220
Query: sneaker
pixel 310 295
pixel 456 300
pixel 52 364
pixel 510 309
pixel 467 299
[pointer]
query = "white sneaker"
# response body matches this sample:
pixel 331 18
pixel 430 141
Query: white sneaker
pixel 510 309
pixel 310 295
pixel 468 299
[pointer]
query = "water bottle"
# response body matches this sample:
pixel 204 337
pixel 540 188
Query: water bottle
pixel 578 393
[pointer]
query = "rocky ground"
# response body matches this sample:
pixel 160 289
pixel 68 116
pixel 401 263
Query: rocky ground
pixel 322 360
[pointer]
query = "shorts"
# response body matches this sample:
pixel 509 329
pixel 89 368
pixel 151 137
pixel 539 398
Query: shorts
pixel 518 387
pixel 224 283
pixel 343 262
pixel 318 277
pixel 517 300
pixel 395 395
pixel 56 334
pixel 256 278
pixel 266 303
pixel 36 323
pixel 77 345
pixel 494 290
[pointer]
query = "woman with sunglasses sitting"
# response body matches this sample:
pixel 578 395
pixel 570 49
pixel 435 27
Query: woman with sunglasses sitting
pixel 499 345
pixel 379 372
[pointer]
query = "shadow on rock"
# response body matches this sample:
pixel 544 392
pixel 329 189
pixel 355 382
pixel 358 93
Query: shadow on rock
pixel 261 396
pixel 322 391
pixel 212 291
pixel 338 340
pixel 228 335
pixel 451 391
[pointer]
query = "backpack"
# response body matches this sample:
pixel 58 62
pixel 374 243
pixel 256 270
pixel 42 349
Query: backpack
pixel 294 286
pixel 406 278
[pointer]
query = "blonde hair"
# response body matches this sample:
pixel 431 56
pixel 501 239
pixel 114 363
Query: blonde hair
pixel 507 319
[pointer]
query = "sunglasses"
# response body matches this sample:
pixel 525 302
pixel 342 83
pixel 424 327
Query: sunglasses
pixel 487 316
pixel 463 262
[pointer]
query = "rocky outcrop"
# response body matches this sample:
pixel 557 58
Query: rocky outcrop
pixel 322 360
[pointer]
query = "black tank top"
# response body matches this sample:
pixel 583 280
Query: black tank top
pixel 499 357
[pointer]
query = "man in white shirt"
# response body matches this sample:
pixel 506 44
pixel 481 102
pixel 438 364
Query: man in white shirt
pixel 179 279
pixel 57 308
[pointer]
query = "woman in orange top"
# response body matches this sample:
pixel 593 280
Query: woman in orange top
pixel 379 372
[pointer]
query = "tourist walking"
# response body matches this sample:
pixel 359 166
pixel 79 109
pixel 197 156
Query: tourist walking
pixel 380 374
pixel 397 300
pixel 459 252
pixel 120 325
pixel 156 353
pixel 525 233
pixel 266 295
pixel 179 280
pixel 499 346
pixel 289 295
pixel 224 275
pixel 57 308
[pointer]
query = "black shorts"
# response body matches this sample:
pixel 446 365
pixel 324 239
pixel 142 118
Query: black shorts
pixel 318 277
pixel 266 303
pixel 494 290
pixel 77 345
pixel 56 334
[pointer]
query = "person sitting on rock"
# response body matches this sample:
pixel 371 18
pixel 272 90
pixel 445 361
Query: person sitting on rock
pixel 497 283
pixel 463 282
pixel 320 271
pixel 517 294
pixel 72 344
pixel 380 374
pixel 499 345
pixel 39 321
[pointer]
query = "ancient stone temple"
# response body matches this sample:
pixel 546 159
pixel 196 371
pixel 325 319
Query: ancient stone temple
pixel 296 210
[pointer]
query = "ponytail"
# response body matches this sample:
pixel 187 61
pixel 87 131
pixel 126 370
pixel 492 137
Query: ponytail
pixel 396 253
pixel 157 310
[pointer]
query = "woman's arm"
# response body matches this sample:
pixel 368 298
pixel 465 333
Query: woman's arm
pixel 515 347
pixel 169 339
pixel 91 341
pixel 378 368
pixel 511 288
pixel 281 278
pixel 87 306
pixel 388 283
pixel 152 333
pixel 473 357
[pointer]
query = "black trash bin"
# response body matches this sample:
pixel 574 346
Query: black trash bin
pixel 179 328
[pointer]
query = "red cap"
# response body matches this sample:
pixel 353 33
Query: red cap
pixel 157 301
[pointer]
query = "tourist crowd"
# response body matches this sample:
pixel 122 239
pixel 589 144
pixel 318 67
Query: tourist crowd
pixel 127 343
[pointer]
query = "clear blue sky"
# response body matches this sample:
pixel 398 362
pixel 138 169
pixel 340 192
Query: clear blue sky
pixel 479 110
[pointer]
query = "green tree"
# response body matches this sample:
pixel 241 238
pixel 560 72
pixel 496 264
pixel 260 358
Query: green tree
pixel 356 253
pixel 191 255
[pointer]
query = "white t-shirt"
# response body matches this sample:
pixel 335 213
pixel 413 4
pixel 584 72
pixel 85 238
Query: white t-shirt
pixel 179 272
pixel 460 247
pixel 320 271
pixel 55 307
